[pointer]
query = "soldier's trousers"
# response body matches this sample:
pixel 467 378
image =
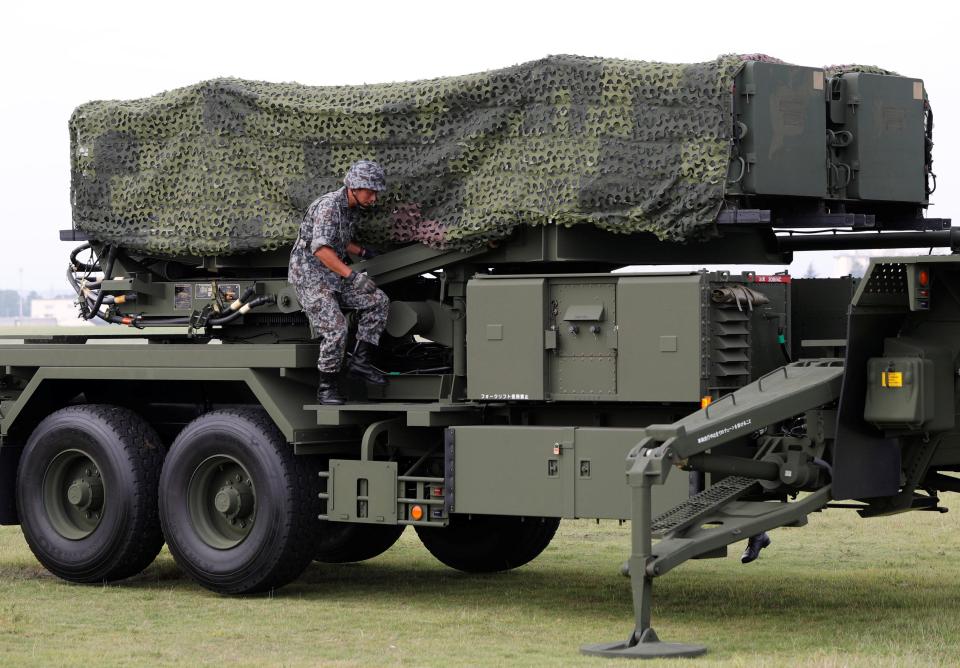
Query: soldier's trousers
pixel 323 308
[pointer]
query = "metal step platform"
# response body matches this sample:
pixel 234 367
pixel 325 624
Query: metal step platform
pixel 727 522
pixel 700 505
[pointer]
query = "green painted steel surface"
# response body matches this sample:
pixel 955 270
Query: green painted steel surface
pixel 783 125
pixel 885 116
pixel 661 338
pixel 11 335
pixel 506 334
pixel 900 392
pixel 222 499
pixel 74 495
pixel 605 337
pixel 424 414
pixel 362 491
pixel 584 363
pixel 167 355
pixel 548 471
pixel 285 401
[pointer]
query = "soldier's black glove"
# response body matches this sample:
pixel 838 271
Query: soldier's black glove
pixel 368 253
pixel 361 282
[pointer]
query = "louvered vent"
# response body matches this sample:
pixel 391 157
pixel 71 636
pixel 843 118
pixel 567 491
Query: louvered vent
pixel 730 345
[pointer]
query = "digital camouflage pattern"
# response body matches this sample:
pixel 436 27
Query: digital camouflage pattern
pixel 328 222
pixel 324 311
pixel 229 166
pixel 366 174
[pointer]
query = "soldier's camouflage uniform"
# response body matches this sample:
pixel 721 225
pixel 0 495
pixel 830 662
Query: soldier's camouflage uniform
pixel 329 221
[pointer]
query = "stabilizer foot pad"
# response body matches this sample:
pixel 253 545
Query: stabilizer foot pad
pixel 649 647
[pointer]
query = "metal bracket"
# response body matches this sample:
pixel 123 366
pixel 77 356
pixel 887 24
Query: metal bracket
pixel 368 442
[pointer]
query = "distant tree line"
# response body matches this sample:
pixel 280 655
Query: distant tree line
pixel 10 303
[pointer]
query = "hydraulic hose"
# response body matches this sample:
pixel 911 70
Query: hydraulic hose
pixel 107 271
pixel 86 303
pixel 141 321
pixel 246 308
pixel 90 306
pixel 82 266
pixel 120 299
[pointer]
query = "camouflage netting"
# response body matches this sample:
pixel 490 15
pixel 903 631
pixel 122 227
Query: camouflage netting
pixel 834 70
pixel 229 166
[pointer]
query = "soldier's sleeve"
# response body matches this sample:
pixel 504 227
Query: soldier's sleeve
pixel 324 227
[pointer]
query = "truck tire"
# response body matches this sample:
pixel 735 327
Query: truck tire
pixel 342 543
pixel 87 493
pixel 238 509
pixel 489 543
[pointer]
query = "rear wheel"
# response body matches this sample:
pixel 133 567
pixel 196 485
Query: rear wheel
pixel 342 543
pixel 239 510
pixel 87 493
pixel 489 543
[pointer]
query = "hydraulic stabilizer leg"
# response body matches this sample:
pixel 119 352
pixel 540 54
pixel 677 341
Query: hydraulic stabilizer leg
pixel 649 467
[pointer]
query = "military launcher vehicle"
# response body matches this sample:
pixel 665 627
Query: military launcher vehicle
pixel 526 374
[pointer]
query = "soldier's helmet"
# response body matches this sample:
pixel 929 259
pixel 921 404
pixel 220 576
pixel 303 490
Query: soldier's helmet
pixel 366 174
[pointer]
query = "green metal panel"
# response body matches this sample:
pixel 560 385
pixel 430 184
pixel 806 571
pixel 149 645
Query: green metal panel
pixel 549 472
pixel 362 491
pixel 660 338
pixel 885 115
pixel 899 392
pixel 557 245
pixel 584 362
pixel 505 338
pixel 514 471
pixel 781 109
pixel 416 414
pixel 601 489
pixel 285 401
pixel 170 355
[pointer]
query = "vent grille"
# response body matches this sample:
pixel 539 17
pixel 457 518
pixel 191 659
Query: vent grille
pixel 729 344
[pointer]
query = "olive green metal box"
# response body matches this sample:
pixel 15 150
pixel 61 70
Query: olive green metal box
pixel 549 472
pixel 884 150
pixel 589 337
pixel 900 392
pixel 603 337
pixel 780 126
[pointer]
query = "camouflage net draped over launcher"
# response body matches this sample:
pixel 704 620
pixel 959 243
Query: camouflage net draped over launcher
pixel 229 166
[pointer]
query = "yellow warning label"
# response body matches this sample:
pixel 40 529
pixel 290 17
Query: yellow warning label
pixel 891 379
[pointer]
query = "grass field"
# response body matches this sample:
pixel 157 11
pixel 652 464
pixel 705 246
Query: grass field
pixel 841 591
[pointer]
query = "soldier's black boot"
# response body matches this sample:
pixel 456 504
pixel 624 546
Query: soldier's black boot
pixel 361 364
pixel 327 391
pixel 754 545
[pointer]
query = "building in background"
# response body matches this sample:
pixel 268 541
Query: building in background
pixel 59 311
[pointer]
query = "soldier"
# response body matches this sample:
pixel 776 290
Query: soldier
pixel 325 284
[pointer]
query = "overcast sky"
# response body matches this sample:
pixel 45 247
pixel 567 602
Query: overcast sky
pixel 55 56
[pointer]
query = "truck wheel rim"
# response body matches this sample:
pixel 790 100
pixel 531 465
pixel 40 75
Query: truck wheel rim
pixel 223 502
pixel 74 495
